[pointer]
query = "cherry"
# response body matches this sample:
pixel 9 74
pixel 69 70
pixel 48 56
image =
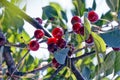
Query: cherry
pixel 39 20
pixel 116 49
pixel 92 16
pixel 34 45
pixel 55 63
pixel 57 32
pixel 75 19
pixel 52 47
pixel 89 40
pixel 76 27
pixel 39 33
pixel 52 40
pixel 61 43
pixel 82 30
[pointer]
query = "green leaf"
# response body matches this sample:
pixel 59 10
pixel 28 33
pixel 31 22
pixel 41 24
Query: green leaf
pixel 117 63
pixel 112 38
pixel 99 43
pixel 86 73
pixel 111 5
pixel 60 55
pixel 94 5
pixel 29 60
pixel 48 12
pixel 64 16
pixel 87 27
pixel 109 62
pixel 25 36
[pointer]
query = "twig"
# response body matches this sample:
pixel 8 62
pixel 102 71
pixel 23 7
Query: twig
pixel 38 69
pixel 55 73
pixel 82 56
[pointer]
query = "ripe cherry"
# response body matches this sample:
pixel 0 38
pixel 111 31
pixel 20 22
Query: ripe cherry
pixel 34 45
pixel 52 40
pixel 82 30
pixel 39 20
pixel 39 33
pixel 76 27
pixel 75 19
pixel 61 43
pixel 52 47
pixel 92 16
pixel 116 49
pixel 57 32
pixel 89 40
pixel 55 63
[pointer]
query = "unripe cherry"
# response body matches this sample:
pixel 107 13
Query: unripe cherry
pixel 39 33
pixel 92 16
pixel 34 45
pixel 57 32
pixel 75 19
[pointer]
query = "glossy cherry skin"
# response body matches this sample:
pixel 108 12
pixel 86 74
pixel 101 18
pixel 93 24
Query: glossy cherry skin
pixel 55 63
pixel 39 20
pixel 52 40
pixel 52 47
pixel 39 33
pixel 61 43
pixel 92 16
pixel 76 27
pixel 89 40
pixel 75 19
pixel 34 45
pixel 82 30
pixel 57 32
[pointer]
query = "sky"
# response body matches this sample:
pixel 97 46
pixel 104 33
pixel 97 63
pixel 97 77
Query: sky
pixel 34 9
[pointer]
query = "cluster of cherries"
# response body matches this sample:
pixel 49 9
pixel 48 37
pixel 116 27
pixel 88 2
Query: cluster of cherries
pixel 57 41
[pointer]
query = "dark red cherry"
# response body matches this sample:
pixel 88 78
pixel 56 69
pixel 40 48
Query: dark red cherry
pixel 34 45
pixel 75 19
pixel 92 16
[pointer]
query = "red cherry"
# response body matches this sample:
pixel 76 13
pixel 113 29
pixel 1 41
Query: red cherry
pixel 82 30
pixel 55 63
pixel 61 43
pixel 39 20
pixel 57 32
pixel 116 49
pixel 39 33
pixel 52 47
pixel 75 19
pixel 52 40
pixel 89 40
pixel 76 27
pixel 92 16
pixel 34 45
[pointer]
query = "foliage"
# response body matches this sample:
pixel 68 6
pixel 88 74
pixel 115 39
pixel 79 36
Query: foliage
pixel 88 61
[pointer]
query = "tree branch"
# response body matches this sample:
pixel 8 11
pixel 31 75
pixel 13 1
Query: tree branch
pixel 22 14
pixel 57 71
pixel 82 56
pixel 9 59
